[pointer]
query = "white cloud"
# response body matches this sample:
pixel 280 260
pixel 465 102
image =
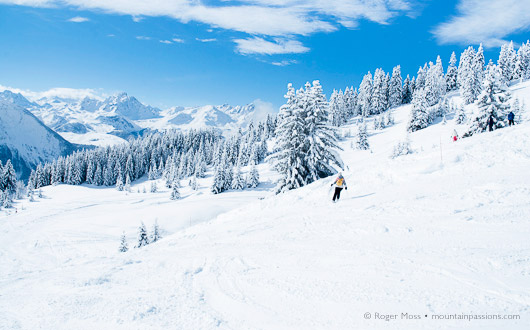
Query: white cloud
pixel 167 42
pixel 262 109
pixel 60 92
pixel 284 62
pixel 262 18
pixel 258 45
pixel 31 3
pixel 143 38
pixel 485 21
pixel 178 40
pixel 78 19
pixel 111 35
pixel 206 40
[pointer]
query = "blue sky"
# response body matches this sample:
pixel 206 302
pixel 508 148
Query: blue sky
pixel 183 52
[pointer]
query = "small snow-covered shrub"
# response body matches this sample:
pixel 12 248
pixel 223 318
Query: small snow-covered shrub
pixel 402 148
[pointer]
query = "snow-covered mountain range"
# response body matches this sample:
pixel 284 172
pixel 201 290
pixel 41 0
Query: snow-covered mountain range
pixel 25 139
pixel 102 121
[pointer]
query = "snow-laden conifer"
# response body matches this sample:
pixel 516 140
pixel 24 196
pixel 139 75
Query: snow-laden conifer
pixel 155 233
pixel 143 238
pixel 362 137
pixel 365 95
pixel 396 88
pixel 252 180
pixel 419 115
pixel 123 243
pixel 493 102
pixel 452 73
pixel 238 183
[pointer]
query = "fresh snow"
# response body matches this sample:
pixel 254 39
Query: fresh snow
pixel 441 231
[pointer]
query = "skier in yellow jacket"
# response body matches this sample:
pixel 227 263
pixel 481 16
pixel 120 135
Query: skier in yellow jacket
pixel 339 183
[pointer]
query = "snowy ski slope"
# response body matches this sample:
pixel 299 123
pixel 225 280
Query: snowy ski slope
pixel 441 231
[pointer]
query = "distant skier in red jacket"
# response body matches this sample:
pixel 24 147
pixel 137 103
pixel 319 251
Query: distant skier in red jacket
pixel 455 136
pixel 339 183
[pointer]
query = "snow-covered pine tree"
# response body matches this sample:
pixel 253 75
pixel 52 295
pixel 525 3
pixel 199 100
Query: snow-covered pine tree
pixel 320 139
pixel 407 91
pixel 506 62
pixel 365 95
pixel 143 238
pixel 2 178
pixel 420 76
pixel 218 180
pixel 478 69
pixel 362 137
pixel 376 122
pixel 460 116
pixel 20 190
pixel 154 187
pixel 382 121
pixel 127 186
pixel 252 177
pixel 9 177
pixel 466 78
pixel 123 243
pixel 7 200
pixel 229 170
pixel 288 160
pixel 452 74
pixel 379 95
pixel 396 88
pixel 119 183
pixel 493 101
pixel 175 193
pixel 336 109
pixel 389 121
pixel 517 109
pixel 152 173
pixel 349 103
pixel 155 234
pixel 194 183
pixel 435 86
pixel 419 115
pixel 238 183
pixel 522 62
pixel 98 175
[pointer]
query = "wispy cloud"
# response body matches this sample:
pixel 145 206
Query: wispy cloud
pixel 262 18
pixel 110 35
pixel 178 40
pixel 143 38
pixel 206 40
pixel 78 19
pixel 60 92
pixel 485 21
pixel 285 62
pixel 258 45
pixel 32 3
pixel 167 42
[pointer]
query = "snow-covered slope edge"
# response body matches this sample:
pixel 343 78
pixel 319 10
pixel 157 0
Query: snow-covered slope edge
pixel 27 141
